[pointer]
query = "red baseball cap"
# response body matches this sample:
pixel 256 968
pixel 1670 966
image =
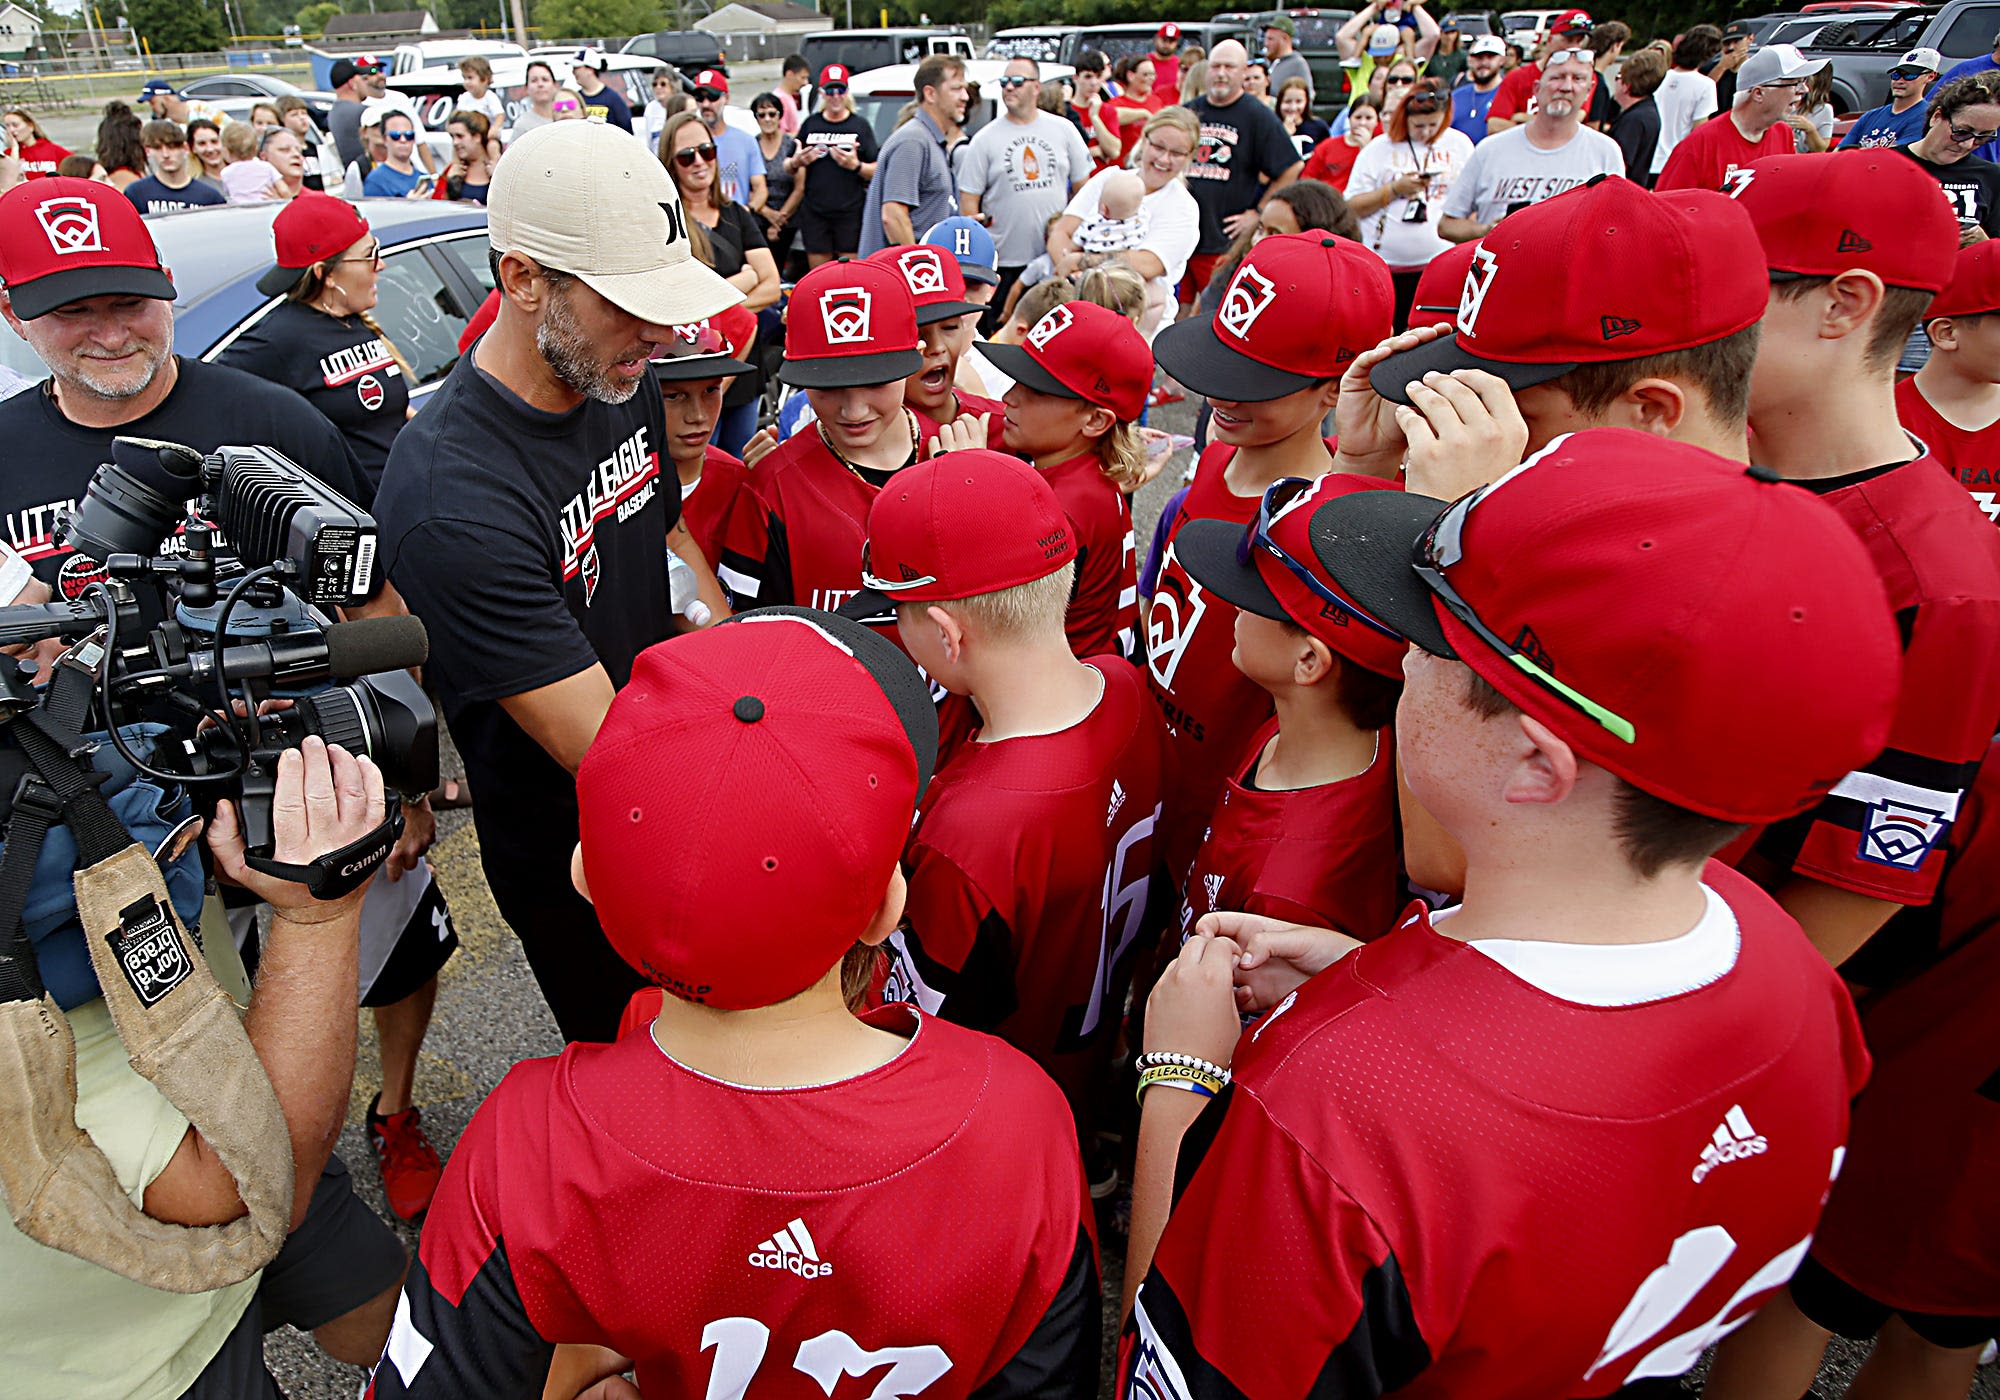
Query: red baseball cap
pixel 62 240
pixel 847 324
pixel 825 729
pixel 835 74
pixel 1873 211
pixel 1571 22
pixel 1554 286
pixel 936 284
pixel 312 228
pixel 1438 290
pixel 710 78
pixel 1975 285
pixel 1750 660
pixel 707 349
pixel 1169 30
pixel 1268 567
pixel 960 525
pixel 1298 310
pixel 1080 350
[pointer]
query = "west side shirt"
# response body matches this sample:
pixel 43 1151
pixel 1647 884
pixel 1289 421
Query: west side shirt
pixel 1716 150
pixel 1028 868
pixel 338 365
pixel 39 159
pixel 918 1229
pixel 1508 172
pixel 1454 1178
pixel 1104 608
pixel 1881 830
pixel 533 546
pixel 153 195
pixel 1323 856
pixel 52 459
pixel 1968 454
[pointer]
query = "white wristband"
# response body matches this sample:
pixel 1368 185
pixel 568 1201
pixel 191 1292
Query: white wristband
pixel 15 573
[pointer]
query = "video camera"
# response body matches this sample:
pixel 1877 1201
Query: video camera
pixel 193 607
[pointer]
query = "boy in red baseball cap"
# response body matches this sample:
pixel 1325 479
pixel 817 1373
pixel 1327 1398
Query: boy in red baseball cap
pixel 946 325
pixel 1953 402
pixel 1306 825
pixel 694 370
pixel 1080 379
pixel 802 1137
pixel 1029 860
pixel 1617 1074
pixel 796 530
pixel 1857 246
pixel 1299 310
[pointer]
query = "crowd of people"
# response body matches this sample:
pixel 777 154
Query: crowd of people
pixel 1498 880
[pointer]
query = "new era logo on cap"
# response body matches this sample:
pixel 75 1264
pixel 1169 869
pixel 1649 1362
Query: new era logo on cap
pixel 1058 320
pixel 1616 326
pixel 846 312
pixel 1250 294
pixel 70 222
pixel 1852 242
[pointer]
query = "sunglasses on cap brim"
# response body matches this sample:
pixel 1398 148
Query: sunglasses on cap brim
pixel 1440 547
pixel 1277 496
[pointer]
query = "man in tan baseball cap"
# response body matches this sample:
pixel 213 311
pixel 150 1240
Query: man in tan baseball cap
pixel 522 514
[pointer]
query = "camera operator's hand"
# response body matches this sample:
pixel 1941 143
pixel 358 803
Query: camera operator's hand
pixel 420 829
pixel 326 798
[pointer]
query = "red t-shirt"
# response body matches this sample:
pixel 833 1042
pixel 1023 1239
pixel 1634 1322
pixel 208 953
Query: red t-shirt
pixel 1707 156
pixel 1332 161
pixel 1103 611
pixel 706 507
pixel 1128 134
pixel 1971 456
pixel 920 1225
pixel 1881 830
pixel 39 159
pixel 1028 869
pixel 1423 1148
pixel 1324 856
pixel 1166 80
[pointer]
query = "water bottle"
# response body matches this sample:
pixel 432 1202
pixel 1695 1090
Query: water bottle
pixel 682 593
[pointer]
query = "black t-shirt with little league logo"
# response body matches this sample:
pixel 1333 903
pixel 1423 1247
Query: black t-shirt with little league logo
pixel 1243 147
pixel 1972 185
pixel 341 366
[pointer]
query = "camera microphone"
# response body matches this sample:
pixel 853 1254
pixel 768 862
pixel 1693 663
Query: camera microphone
pixel 346 649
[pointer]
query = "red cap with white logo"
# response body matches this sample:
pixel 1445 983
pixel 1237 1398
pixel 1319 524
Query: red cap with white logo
pixel 1436 299
pixel 834 75
pixel 1551 287
pixel 850 324
pixel 1571 22
pixel 1871 211
pixel 961 525
pixel 62 240
pixel 1299 309
pixel 710 78
pixel 1170 31
pixel 1080 350
pixel 313 228
pixel 933 277
pixel 707 349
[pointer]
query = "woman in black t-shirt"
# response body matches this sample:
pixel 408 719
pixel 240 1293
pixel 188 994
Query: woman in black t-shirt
pixel 320 340
pixel 728 237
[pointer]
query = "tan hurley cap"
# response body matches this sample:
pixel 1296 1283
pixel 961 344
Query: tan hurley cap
pixel 587 199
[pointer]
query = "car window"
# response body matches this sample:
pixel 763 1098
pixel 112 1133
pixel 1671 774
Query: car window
pixel 1971 34
pixel 18 362
pixel 471 254
pixel 418 314
pixel 230 87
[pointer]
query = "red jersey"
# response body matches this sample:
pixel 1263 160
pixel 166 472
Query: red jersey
pixel 1166 80
pixel 1913 1221
pixel 1128 132
pixel 1331 161
pixel 1423 1148
pixel 1103 611
pixel 1715 150
pixel 1211 709
pixel 705 505
pixel 919 1227
pixel 1881 830
pixel 1324 856
pixel 39 159
pixel 1028 869
pixel 1968 455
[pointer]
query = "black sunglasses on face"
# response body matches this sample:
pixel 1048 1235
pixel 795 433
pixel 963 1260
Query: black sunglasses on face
pixel 835 89
pixel 1401 82
pixel 688 155
pixel 707 95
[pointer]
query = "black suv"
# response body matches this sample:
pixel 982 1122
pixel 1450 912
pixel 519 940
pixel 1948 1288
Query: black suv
pixel 689 50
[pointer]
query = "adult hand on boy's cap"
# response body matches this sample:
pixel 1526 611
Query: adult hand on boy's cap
pixel 1464 431
pixel 1371 438
pixel 962 433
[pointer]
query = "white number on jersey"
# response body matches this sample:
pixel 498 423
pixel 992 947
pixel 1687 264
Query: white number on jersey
pixel 740 1344
pixel 1124 905
pixel 1692 1263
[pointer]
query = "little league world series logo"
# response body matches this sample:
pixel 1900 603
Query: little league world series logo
pixel 1249 294
pixel 1058 320
pixel 923 269
pixel 846 314
pixel 70 222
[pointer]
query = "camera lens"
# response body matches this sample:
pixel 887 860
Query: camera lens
pixel 135 500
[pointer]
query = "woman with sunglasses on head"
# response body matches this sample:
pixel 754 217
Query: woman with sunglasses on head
pixel 730 239
pixel 1396 84
pixel 1399 184
pixel 782 188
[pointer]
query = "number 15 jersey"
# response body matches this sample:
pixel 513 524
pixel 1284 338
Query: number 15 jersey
pixel 914 1231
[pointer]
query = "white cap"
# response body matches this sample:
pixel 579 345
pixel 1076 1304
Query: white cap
pixel 1384 39
pixel 1487 43
pixel 1928 59
pixel 1776 63
pixel 585 198
pixel 588 58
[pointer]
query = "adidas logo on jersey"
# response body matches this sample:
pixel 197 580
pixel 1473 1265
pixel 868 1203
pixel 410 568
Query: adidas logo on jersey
pixel 1212 884
pixel 1734 1139
pixel 1117 800
pixel 792 1250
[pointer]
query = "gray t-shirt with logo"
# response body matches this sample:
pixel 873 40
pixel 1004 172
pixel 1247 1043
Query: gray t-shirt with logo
pixel 1024 175
pixel 1507 172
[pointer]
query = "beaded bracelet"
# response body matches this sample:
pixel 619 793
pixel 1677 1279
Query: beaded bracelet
pixel 1153 1058
pixel 1181 1077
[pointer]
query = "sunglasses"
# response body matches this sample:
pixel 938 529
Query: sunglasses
pixel 707 95
pixel 835 89
pixel 1013 81
pixel 1967 135
pixel 1400 82
pixel 1568 56
pixel 1907 75
pixel 1423 104
pixel 1277 497
pixel 687 157
pixel 1437 549
pixel 564 107
pixel 763 112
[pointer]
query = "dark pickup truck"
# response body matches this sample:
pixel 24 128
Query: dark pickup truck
pixel 1865 48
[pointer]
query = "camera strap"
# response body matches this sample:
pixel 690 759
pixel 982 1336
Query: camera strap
pixel 179 1029
pixel 340 872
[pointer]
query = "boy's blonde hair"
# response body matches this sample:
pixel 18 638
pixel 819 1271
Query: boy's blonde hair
pixel 1023 611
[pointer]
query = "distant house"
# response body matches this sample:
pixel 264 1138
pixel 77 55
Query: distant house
pixel 386 25
pixel 764 17
pixel 20 32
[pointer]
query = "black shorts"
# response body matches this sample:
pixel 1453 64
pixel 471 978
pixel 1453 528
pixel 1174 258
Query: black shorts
pixel 1844 1310
pixel 822 232
pixel 341 1256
